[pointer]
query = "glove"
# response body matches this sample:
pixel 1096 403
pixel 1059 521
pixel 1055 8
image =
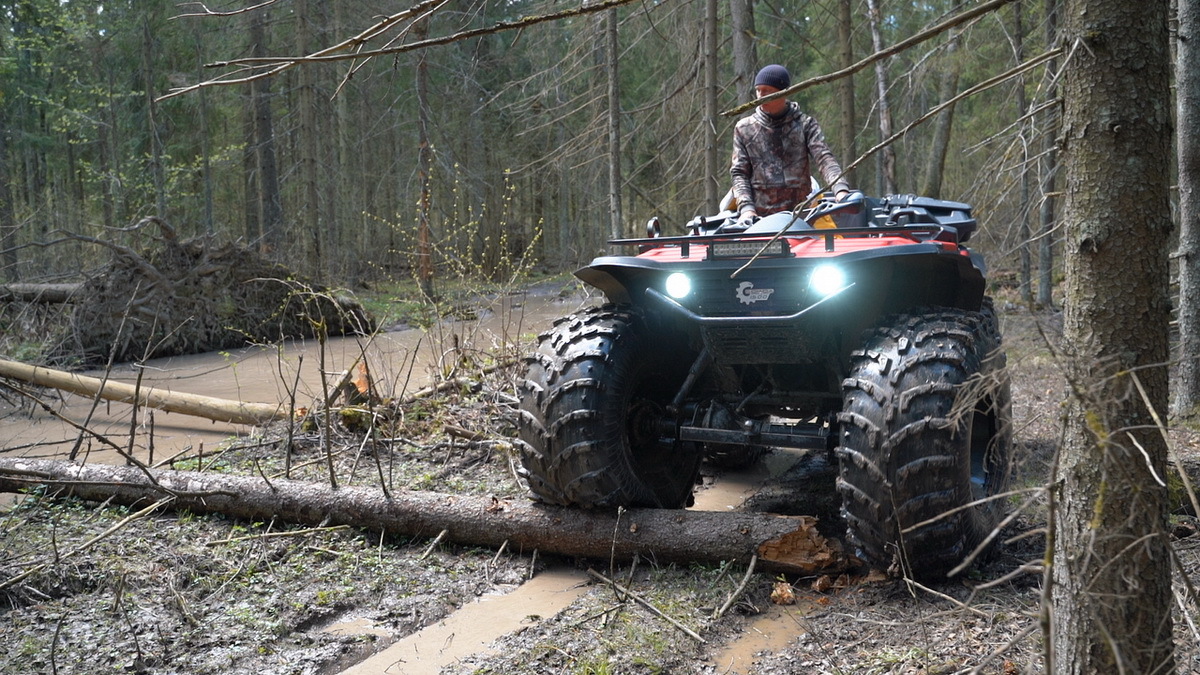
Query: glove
pixel 744 221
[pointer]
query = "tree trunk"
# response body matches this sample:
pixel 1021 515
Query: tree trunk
pixel 849 115
pixel 157 172
pixel 1049 171
pixel 8 220
pixel 942 126
pixel 310 203
pixel 745 54
pixel 712 169
pixel 612 58
pixel 1187 92
pixel 218 409
pixel 424 169
pixel 782 543
pixel 1111 573
pixel 887 156
pixel 1024 210
pixel 269 200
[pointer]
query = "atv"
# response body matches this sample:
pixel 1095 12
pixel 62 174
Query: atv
pixel 856 327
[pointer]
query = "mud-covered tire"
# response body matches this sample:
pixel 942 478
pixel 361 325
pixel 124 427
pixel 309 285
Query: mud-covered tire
pixel 592 410
pixel 925 431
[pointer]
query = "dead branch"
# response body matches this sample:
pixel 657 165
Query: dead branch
pixel 221 410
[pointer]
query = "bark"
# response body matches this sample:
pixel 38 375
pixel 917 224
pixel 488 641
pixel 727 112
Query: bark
pixel 1187 85
pixel 1110 574
pixel 43 293
pixel 886 177
pixel 221 410
pixel 785 544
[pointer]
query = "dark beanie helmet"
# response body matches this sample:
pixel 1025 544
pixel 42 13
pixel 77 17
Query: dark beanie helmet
pixel 773 76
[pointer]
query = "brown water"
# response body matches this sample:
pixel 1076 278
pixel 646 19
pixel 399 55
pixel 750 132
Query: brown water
pixel 400 361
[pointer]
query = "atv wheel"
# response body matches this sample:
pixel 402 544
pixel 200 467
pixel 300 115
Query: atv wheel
pixel 594 430
pixel 925 432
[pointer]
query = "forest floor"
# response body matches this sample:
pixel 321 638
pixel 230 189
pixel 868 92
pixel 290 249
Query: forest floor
pixel 181 593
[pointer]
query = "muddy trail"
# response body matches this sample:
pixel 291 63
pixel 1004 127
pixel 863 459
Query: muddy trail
pixel 178 593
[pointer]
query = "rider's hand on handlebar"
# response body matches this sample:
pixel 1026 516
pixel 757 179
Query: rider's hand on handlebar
pixel 746 218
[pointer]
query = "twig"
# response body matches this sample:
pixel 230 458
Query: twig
pixel 737 592
pixel 881 54
pixel 646 603
pixel 281 533
pixel 87 544
pixel 436 540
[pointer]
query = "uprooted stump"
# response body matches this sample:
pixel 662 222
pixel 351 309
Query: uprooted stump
pixel 186 297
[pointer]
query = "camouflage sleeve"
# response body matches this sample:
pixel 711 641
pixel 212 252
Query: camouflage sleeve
pixel 821 157
pixel 740 170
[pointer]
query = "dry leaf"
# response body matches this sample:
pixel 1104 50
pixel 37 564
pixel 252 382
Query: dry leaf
pixel 782 594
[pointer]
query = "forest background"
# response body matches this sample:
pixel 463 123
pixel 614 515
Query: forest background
pixel 321 166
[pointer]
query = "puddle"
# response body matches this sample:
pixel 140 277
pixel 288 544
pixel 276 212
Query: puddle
pixel 732 488
pixel 768 633
pixel 471 628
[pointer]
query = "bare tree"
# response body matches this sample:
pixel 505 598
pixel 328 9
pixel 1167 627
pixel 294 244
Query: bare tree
pixel 1187 107
pixel 1111 582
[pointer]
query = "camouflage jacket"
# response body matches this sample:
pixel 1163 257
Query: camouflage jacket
pixel 773 158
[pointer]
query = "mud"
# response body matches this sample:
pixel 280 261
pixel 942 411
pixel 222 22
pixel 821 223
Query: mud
pixel 167 595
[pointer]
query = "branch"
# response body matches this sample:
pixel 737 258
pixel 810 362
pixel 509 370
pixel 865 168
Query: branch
pixel 277 65
pixel 877 56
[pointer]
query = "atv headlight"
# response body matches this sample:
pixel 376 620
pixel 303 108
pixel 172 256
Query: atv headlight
pixel 827 279
pixel 678 285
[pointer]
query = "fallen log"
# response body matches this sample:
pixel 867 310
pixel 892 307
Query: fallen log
pixel 44 293
pixel 789 544
pixel 218 409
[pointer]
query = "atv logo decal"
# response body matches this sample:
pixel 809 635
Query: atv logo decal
pixel 747 294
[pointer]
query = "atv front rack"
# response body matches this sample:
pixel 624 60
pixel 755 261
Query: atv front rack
pixel 917 233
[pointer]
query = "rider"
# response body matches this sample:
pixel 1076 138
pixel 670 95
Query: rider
pixel 774 150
